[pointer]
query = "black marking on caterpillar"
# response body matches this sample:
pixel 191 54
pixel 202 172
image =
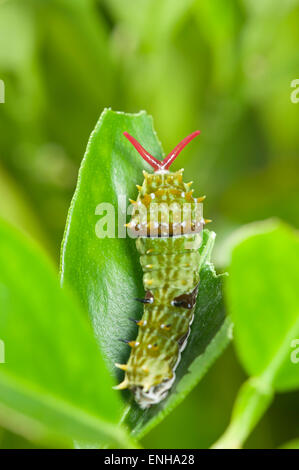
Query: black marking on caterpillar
pixel 145 301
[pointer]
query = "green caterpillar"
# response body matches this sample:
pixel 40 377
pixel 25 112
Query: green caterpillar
pixel 167 222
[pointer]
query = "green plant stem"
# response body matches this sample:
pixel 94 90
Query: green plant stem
pixel 252 401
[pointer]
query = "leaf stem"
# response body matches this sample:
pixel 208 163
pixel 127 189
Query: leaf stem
pixel 252 401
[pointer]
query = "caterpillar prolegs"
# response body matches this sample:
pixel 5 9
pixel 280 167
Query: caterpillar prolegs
pixel 167 223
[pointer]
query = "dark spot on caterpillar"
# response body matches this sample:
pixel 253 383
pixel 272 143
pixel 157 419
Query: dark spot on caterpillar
pixel 133 319
pixel 149 296
pixel 186 300
pixel 144 301
pixel 181 303
pixel 183 339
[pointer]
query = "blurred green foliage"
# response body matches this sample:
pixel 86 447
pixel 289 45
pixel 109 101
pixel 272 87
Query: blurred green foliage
pixel 224 66
pixel 266 322
pixel 50 355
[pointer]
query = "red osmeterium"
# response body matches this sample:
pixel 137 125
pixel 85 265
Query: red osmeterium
pixel 177 150
pixel 158 165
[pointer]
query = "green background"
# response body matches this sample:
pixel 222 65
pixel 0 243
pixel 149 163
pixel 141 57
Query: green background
pixel 222 66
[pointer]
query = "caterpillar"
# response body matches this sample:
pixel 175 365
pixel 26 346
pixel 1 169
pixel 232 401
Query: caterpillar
pixel 168 242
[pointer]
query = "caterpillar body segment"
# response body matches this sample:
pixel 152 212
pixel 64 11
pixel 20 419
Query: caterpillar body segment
pixel 167 222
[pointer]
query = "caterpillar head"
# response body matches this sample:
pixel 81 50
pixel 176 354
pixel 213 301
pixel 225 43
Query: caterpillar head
pixel 165 205
pixel 157 165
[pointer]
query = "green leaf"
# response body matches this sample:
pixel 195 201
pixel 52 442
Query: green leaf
pixel 106 273
pixel 53 383
pixel 263 299
pixel 294 444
